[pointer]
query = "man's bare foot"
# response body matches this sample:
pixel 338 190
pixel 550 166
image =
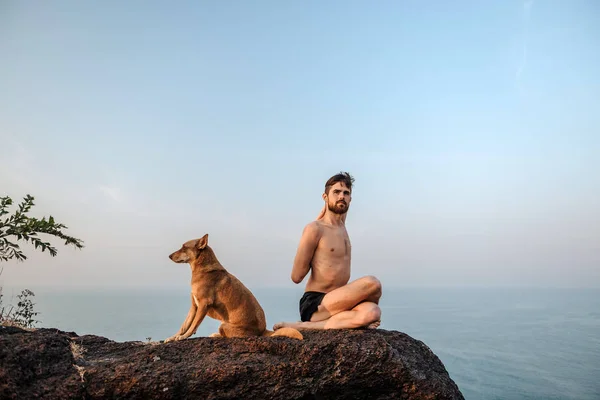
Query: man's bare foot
pixel 280 325
pixel 374 325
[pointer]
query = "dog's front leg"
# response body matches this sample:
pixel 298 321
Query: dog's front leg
pixel 201 310
pixel 186 323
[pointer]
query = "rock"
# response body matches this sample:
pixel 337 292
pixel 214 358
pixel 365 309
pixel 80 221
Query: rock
pixel 333 364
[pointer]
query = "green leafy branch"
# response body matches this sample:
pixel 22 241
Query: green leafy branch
pixel 21 227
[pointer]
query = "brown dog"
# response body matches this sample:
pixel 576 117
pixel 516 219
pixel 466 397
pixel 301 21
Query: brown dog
pixel 220 295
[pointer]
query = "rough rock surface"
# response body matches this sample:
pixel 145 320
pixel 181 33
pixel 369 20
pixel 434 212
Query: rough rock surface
pixel 349 364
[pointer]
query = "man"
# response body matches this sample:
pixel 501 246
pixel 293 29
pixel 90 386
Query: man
pixel 329 301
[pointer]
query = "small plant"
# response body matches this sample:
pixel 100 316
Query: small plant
pixel 150 342
pixel 23 314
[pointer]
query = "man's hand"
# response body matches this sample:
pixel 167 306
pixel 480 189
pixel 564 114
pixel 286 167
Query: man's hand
pixel 322 213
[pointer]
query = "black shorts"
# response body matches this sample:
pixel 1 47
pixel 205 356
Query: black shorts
pixel 309 303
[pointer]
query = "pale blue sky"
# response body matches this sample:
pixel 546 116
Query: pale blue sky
pixel 472 129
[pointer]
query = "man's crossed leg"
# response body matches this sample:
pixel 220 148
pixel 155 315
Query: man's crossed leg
pixel 354 305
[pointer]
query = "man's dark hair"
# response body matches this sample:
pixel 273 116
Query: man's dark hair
pixel 344 177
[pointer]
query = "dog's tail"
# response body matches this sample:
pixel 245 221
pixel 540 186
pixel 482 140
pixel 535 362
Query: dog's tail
pixel 287 332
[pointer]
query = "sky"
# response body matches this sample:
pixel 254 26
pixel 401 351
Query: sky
pixel 472 130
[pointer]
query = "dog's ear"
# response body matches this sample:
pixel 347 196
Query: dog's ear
pixel 202 242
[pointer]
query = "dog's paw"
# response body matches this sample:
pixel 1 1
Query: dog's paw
pixel 216 334
pixel 173 338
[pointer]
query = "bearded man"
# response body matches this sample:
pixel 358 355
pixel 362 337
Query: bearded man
pixel 329 300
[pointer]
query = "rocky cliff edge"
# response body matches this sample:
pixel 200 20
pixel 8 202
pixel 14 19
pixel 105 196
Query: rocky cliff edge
pixel 334 364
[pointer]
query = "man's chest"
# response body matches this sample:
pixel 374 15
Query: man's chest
pixel 336 243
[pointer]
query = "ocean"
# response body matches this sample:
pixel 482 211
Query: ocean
pixel 496 343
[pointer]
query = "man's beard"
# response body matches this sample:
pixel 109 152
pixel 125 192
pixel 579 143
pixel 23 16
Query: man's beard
pixel 338 208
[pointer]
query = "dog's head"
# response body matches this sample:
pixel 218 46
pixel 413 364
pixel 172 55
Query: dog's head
pixel 190 251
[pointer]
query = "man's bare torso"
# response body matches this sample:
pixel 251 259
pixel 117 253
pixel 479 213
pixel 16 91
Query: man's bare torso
pixel 330 265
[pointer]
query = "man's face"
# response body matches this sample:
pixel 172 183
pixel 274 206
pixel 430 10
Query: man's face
pixel 338 199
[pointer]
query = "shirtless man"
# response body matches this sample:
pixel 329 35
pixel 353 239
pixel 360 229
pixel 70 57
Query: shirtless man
pixel 329 301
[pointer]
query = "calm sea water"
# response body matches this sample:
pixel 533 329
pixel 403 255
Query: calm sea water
pixel 496 343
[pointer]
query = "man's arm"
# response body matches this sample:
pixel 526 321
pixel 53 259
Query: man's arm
pixel 306 250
